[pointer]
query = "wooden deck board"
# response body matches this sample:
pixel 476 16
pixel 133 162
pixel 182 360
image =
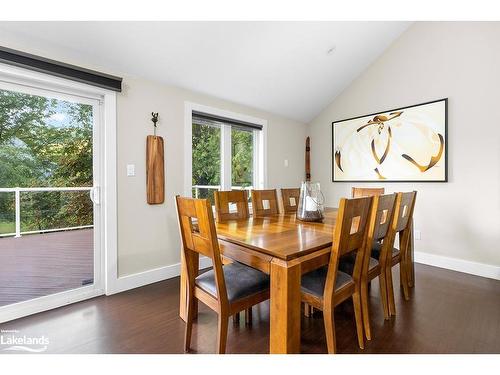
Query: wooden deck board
pixel 37 265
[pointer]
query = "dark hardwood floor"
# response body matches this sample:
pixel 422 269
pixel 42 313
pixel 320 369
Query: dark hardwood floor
pixel 449 312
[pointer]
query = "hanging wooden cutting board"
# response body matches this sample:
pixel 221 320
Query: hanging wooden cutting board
pixel 155 170
pixel 308 159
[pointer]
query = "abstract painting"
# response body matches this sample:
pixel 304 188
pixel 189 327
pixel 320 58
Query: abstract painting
pixel 401 145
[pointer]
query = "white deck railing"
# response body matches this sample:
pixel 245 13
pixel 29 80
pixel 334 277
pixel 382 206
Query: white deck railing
pixel 17 196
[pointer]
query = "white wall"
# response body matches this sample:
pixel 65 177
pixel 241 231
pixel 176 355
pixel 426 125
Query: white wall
pixel 459 60
pixel 148 236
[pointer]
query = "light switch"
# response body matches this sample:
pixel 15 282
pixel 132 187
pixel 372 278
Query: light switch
pixel 286 163
pixel 130 170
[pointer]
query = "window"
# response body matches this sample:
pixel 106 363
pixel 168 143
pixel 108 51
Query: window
pixel 206 158
pixel 226 153
pixel 242 157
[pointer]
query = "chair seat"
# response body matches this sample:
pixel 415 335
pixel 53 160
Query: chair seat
pixel 373 263
pixel 241 281
pixel 314 282
pixel 377 248
pixel 346 263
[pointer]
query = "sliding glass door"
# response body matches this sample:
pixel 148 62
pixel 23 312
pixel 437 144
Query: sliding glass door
pixel 49 198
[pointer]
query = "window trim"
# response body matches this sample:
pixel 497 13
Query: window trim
pixel 260 145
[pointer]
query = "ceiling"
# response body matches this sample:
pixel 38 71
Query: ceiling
pixel 280 67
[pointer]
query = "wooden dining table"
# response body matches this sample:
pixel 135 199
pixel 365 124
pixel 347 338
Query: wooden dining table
pixel 285 248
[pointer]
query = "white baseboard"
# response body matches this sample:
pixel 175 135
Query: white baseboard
pixel 137 280
pixel 460 265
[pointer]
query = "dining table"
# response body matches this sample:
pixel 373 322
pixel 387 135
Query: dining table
pixel 285 248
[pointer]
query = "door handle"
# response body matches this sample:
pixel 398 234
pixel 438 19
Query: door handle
pixel 95 195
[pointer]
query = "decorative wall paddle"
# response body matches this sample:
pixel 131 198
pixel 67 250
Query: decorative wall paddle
pixel 155 166
pixel 308 159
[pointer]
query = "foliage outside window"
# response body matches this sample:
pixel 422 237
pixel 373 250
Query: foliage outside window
pixel 242 157
pixel 45 142
pixel 207 158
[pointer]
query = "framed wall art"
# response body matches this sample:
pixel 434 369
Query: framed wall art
pixel 400 145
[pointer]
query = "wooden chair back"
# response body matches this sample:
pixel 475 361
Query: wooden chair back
pixel 358 192
pixel 289 196
pixel 381 216
pixel 403 216
pixel 199 236
pixel 406 203
pixel 350 235
pixel 260 208
pixel 380 227
pixel 223 199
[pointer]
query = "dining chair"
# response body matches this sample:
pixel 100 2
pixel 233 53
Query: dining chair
pixel 226 289
pixel 223 200
pixel 223 212
pixel 380 231
pixel 290 200
pixel 358 192
pixel 326 287
pixel 402 226
pixel 265 202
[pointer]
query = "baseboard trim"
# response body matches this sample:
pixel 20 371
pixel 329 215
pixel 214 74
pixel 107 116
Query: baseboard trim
pixel 137 280
pixel 460 265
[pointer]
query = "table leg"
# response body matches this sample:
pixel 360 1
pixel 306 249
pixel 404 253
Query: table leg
pixel 285 307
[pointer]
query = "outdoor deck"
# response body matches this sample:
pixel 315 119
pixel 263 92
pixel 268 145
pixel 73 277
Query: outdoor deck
pixel 38 265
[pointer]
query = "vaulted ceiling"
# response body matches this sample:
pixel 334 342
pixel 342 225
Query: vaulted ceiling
pixel 294 69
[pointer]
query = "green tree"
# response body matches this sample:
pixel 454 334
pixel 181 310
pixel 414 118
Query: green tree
pixel 21 115
pixel 242 157
pixel 36 150
pixel 206 155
